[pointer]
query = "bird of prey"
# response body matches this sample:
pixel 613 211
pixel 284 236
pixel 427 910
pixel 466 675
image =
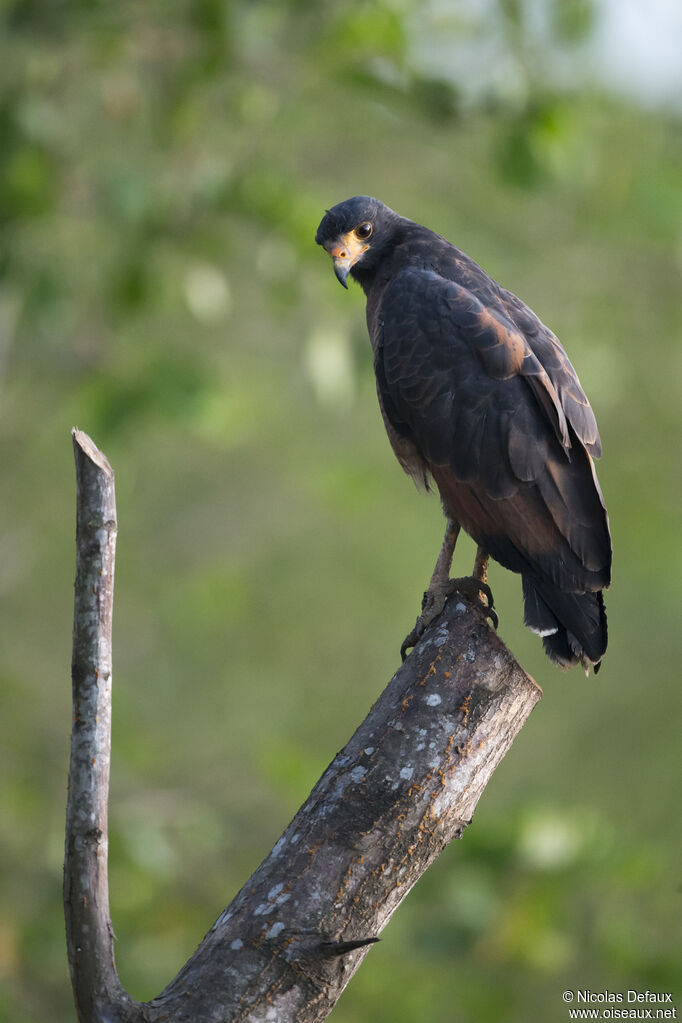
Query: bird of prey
pixel 479 396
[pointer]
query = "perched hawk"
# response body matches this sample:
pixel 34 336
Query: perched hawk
pixel 478 395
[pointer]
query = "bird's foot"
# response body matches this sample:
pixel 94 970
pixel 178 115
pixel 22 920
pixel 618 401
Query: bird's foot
pixel 473 589
pixel 435 599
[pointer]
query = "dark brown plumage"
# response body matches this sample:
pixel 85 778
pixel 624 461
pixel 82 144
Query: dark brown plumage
pixel 479 395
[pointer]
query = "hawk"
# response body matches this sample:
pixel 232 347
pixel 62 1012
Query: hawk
pixel 478 396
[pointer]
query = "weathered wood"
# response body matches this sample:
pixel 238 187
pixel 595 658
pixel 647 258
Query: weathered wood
pixel 97 991
pixel 404 786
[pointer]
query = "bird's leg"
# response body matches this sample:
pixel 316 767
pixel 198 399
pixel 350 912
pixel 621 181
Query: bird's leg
pixel 481 565
pixel 439 589
pixel 441 573
pixel 480 573
pixel 442 586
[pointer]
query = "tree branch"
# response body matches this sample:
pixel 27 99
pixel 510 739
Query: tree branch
pixel 404 786
pixel 89 936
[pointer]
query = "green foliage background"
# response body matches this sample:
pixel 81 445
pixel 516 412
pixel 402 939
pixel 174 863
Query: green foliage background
pixel 163 168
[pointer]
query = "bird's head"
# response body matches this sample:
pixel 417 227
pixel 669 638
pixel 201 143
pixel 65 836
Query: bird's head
pixel 355 232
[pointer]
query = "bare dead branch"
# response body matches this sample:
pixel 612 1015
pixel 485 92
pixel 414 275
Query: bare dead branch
pixel 97 991
pixel 404 786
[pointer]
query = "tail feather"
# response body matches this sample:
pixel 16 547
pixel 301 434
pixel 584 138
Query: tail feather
pixel 572 625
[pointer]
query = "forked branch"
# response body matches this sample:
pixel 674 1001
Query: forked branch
pixel 405 785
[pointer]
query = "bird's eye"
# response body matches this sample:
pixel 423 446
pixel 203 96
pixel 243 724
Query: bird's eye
pixel 364 231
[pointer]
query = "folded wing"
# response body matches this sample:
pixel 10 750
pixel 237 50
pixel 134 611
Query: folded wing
pixel 489 398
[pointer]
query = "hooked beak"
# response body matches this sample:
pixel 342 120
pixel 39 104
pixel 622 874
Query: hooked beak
pixel 342 269
pixel 345 253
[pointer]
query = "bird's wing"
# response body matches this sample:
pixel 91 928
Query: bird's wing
pixel 546 347
pixel 461 380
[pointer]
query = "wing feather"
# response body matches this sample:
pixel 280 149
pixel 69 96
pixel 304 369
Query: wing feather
pixel 550 354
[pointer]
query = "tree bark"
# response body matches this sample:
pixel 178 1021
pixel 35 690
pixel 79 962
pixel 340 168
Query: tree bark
pixel 90 942
pixel 404 786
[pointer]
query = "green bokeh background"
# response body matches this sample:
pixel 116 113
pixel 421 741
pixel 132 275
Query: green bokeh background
pixel 163 168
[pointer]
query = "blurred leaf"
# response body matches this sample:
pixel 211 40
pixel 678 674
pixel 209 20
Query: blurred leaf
pixel 572 20
pixel 512 11
pixel 536 145
pixel 436 96
pixel 27 182
pixel 130 282
pixel 365 31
